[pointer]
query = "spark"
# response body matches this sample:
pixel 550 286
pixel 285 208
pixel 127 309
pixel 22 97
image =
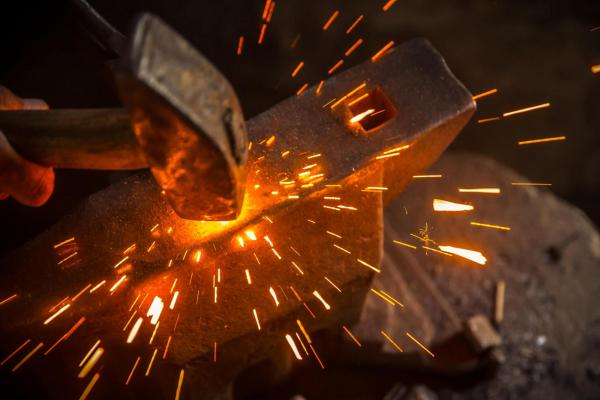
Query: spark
pixel 485 94
pixel 89 353
pixel 151 362
pixel 420 345
pixel 154 333
pixel 268 241
pixel 215 352
pixel 153 228
pixel 69 240
pixel 347 208
pixel 256 318
pixel 427 176
pixel 392 341
pixel 298 268
pixel 353 47
pixel 383 50
pixel 276 253
pixel 387 156
pixel 443 205
pixel 331 19
pixel 67 258
pixel 504 228
pixel 375 188
pixel 335 67
pixel 271 10
pixel 436 251
pixel 9 298
pixel 391 298
pixel 349 94
pixel 89 386
pixel 263 29
pixel 173 285
pixel 133 368
pixel 341 248
pixel 116 285
pixel 301 343
pixel 11 355
pixel 595 69
pixel 360 18
pixel 388 5
pixel 472 255
pixel 351 336
pixel 368 265
pixel 179 383
pixel 297 69
pixel 382 296
pixel 82 291
pixel 240 241
pixel 333 234
pixel 358 99
pixel 134 330
pixel 527 109
pixel 266 9
pixel 121 262
pixel 304 332
pixel 544 140
pixel 333 284
pixel 480 190
pixel 309 310
pixel 362 115
pixel 91 362
pixel 248 277
pixel 240 46
pixel 319 88
pixel 215 295
pixel 274 295
pixel 530 184
pixel 251 235
pixel 482 121
pixel 56 314
pixel 174 300
pixel 410 246
pixel 66 335
pixel 270 141
pixel 332 198
pixel 166 347
pixel 302 89
pixel 292 344
pixel 152 245
pixel 316 356
pixel 198 255
pixel 322 300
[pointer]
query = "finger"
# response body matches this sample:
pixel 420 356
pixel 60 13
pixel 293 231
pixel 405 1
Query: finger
pixel 28 183
pixel 34 104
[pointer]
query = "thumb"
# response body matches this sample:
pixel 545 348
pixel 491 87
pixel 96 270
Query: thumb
pixel 28 183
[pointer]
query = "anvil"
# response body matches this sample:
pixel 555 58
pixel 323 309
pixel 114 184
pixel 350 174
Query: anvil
pixel 299 258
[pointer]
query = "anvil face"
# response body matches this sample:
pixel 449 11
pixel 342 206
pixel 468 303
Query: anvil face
pixel 310 214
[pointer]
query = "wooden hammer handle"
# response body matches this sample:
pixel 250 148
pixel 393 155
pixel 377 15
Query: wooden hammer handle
pixel 79 138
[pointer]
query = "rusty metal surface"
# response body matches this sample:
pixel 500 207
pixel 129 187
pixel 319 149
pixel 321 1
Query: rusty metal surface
pixel 188 122
pixel 432 107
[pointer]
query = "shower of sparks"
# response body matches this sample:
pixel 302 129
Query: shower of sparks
pixel 322 300
pixel 330 20
pixel 504 228
pixel 392 342
pixel 543 140
pixel 89 364
pixel 449 206
pixel 382 52
pixel 89 386
pixel 527 109
pixel 256 318
pixel 388 5
pixel 480 190
pixel 179 384
pixel 356 22
pixel 354 339
pixel 485 94
pixel 410 246
pixel 419 344
pixel 292 344
pixel 471 255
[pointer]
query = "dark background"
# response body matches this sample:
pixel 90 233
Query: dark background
pixel 533 52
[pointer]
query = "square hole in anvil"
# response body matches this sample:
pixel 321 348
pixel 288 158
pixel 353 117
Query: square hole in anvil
pixel 372 110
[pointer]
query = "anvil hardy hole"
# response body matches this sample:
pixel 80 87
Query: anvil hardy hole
pixel 383 110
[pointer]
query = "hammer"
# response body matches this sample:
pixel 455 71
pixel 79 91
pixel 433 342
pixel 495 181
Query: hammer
pixel 182 119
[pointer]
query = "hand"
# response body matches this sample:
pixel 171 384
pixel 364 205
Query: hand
pixel 29 183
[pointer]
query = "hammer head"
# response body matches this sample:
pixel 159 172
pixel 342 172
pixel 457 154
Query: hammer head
pixel 188 122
